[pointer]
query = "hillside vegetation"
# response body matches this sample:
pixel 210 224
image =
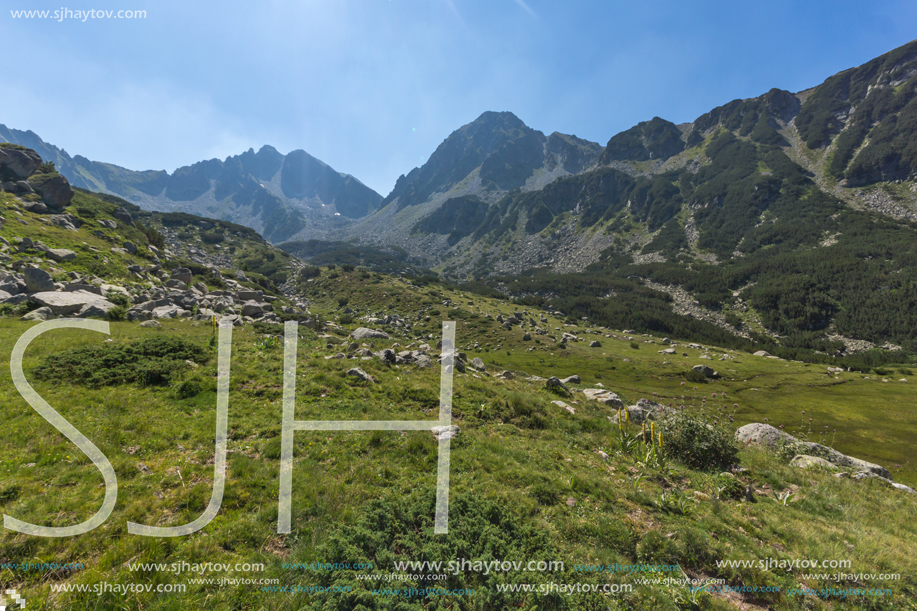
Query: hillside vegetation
pixel 530 479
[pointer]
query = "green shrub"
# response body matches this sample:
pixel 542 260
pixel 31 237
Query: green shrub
pixel 188 389
pixel 728 488
pixel 656 548
pixel 149 362
pixel 695 376
pixel 119 299
pixel 696 443
pixel 153 237
pixel 46 167
pixel 635 345
pixel 310 271
pixel 345 319
pixel 343 301
pixel 212 237
pixel 117 313
pixel 545 494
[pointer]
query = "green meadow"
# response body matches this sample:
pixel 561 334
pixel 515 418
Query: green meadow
pixel 527 481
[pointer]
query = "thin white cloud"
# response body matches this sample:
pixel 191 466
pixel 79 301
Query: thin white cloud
pixel 527 8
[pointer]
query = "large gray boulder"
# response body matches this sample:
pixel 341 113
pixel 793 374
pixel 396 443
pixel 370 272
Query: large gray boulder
pixel 182 274
pixel 79 303
pixel 124 216
pixel 252 308
pixel 37 280
pixel 18 162
pixel 247 295
pixel 170 311
pixel 364 333
pixel 39 314
pixel 704 369
pixel 478 364
pixel 55 190
pixel 61 254
pixel 766 436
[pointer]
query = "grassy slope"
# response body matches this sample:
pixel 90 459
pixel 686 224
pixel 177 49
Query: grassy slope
pixel 503 455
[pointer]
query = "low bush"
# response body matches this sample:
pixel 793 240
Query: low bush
pixel 698 444
pixel 149 362
pixel 310 271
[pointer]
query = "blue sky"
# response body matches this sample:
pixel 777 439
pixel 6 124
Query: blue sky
pixel 372 87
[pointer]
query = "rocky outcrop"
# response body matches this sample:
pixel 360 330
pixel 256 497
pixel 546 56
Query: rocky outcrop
pixel 603 396
pixel 362 333
pixel 766 436
pixel 79 303
pixel 802 461
pixel 18 163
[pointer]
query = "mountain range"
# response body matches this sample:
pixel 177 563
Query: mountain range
pixel 787 217
pixel 277 195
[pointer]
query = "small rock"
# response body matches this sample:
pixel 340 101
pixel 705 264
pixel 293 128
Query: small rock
pixel 151 324
pixel 362 375
pixel 445 432
pixel 554 383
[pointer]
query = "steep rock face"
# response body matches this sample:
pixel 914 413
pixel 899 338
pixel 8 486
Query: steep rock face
pixel 573 154
pixel 869 115
pixel 655 139
pixel 499 150
pixel 303 177
pixel 456 219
